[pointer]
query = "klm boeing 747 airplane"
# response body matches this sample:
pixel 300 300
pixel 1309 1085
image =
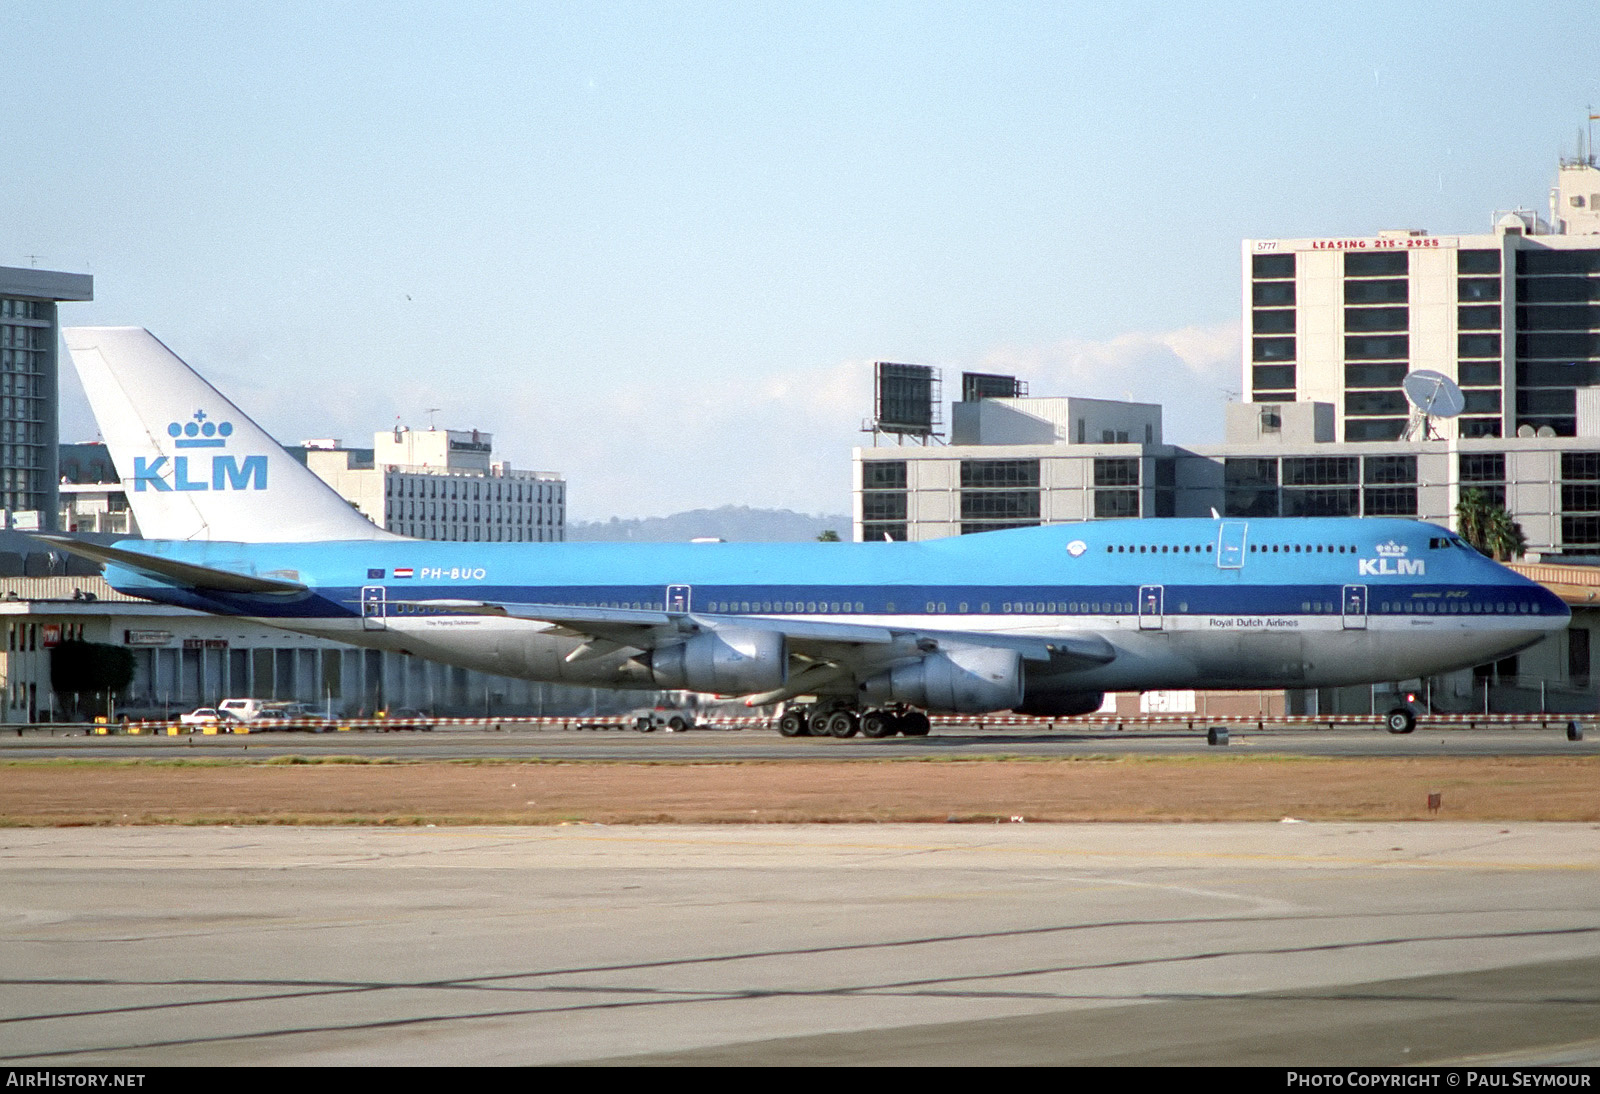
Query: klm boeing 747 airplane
pixel 858 637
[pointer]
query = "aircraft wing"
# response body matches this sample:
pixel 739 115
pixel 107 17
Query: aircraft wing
pixel 816 640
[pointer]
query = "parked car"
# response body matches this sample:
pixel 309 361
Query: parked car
pixel 205 716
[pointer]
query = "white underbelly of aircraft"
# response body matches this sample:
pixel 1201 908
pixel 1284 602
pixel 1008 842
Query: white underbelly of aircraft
pixel 1183 652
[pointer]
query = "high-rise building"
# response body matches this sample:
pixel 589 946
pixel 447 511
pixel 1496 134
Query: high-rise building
pixel 29 395
pixel 1511 315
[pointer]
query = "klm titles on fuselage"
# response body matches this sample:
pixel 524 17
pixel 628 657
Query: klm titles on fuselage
pixel 1392 562
pixel 224 473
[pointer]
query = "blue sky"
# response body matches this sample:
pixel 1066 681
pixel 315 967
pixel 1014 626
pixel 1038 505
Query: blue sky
pixel 657 246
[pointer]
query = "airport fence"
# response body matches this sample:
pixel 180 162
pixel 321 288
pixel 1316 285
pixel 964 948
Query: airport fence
pixel 1097 723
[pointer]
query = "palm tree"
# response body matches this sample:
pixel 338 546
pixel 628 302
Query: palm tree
pixel 1504 536
pixel 1488 526
pixel 1472 518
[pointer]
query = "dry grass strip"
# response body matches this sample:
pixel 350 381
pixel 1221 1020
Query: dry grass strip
pixel 1110 789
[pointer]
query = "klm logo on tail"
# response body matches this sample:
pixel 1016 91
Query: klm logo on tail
pixel 224 473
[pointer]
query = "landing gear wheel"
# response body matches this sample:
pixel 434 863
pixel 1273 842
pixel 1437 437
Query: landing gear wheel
pixel 914 724
pixel 817 724
pixel 879 723
pixel 793 724
pixel 842 723
pixel 1400 720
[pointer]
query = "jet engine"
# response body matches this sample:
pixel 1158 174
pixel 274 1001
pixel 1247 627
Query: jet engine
pixel 727 661
pixel 1062 704
pixel 973 680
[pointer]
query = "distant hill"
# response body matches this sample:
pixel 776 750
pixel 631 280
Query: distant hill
pixel 734 523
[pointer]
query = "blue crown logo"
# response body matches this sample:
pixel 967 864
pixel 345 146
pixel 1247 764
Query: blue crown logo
pixel 200 432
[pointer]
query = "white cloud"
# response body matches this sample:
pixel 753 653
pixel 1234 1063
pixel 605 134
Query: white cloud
pixel 1192 372
pixel 674 443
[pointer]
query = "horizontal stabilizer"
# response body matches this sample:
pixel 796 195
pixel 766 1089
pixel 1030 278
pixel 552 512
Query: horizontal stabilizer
pixel 183 574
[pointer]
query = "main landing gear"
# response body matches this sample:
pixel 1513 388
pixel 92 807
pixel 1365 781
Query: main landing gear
pixel 1400 720
pixel 840 720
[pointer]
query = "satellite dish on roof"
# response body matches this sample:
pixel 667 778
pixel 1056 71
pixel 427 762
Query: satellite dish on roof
pixel 1433 395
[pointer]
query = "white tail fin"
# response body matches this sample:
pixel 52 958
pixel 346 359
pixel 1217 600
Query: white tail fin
pixel 194 466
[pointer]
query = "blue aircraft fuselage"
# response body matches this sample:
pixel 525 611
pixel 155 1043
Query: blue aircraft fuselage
pixel 1181 603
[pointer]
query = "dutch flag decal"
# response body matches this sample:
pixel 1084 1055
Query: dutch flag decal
pixel 402 571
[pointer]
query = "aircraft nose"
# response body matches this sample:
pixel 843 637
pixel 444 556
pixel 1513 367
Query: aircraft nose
pixel 1554 610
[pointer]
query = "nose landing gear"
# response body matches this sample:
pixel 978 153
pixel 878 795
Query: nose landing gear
pixel 1400 720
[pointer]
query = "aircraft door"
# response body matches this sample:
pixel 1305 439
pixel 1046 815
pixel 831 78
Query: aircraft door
pixel 1150 607
pixel 1355 607
pixel 677 599
pixel 1230 544
pixel 372 607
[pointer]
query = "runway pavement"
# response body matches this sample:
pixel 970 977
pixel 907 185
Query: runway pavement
pixel 1227 943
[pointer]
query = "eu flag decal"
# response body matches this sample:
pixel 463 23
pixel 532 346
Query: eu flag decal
pixel 374 574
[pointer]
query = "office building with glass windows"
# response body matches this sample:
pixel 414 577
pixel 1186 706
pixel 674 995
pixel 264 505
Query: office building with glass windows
pixel 442 484
pixel 1279 460
pixel 29 395
pixel 1511 315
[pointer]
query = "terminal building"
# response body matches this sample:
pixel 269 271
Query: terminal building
pixel 184 659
